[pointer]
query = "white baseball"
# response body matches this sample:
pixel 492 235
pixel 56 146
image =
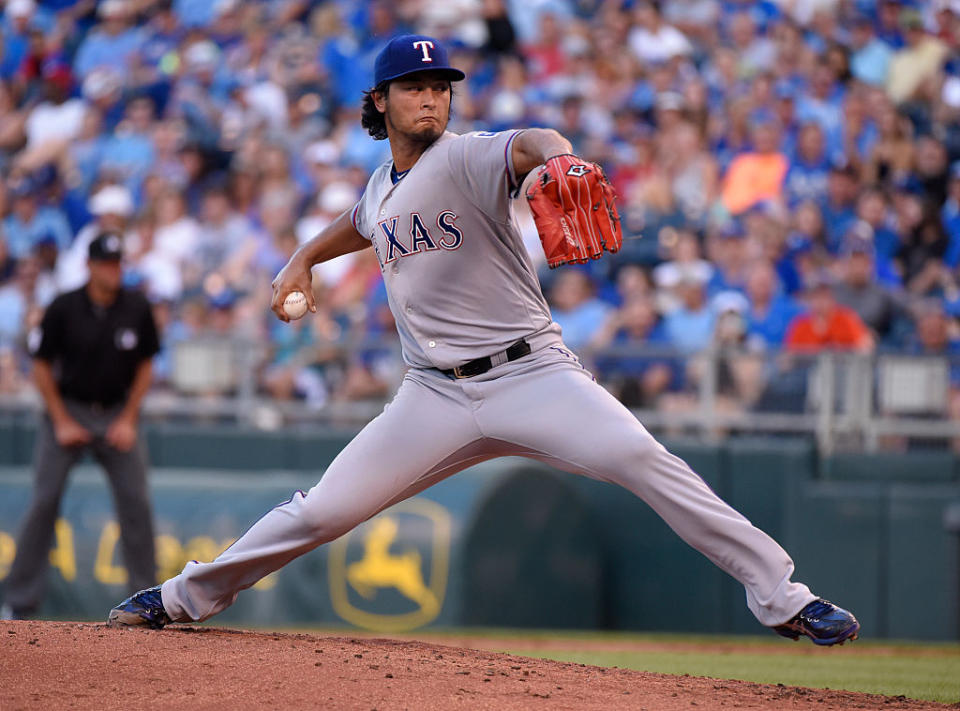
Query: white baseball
pixel 295 305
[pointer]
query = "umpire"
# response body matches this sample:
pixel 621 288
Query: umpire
pixel 92 366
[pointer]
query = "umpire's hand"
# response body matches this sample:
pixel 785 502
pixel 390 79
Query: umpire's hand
pixel 70 433
pixel 122 434
pixel 295 276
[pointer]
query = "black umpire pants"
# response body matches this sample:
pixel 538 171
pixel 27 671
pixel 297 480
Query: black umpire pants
pixel 127 474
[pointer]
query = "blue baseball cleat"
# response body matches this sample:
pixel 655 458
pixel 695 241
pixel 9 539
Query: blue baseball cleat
pixel 823 622
pixel 142 608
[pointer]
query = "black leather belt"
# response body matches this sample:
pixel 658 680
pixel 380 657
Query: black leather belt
pixel 482 365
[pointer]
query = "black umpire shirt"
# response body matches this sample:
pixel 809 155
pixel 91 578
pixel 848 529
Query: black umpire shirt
pixel 95 350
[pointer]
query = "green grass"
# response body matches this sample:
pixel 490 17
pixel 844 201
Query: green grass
pixel 921 676
pixel 919 670
pixel 933 678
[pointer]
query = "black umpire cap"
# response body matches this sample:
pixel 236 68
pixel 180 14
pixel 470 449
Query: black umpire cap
pixel 107 246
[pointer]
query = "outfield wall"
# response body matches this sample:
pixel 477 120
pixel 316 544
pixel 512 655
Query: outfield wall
pixel 515 543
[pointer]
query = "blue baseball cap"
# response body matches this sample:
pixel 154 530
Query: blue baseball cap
pixel 407 54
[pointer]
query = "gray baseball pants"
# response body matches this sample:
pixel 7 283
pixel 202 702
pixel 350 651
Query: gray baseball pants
pixel 127 474
pixel 544 406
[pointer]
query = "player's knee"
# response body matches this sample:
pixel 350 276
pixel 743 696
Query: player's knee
pixel 636 450
pixel 325 522
pixel 631 461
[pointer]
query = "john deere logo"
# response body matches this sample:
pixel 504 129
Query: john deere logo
pixel 390 574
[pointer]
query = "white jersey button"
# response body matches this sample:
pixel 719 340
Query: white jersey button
pixel 432 344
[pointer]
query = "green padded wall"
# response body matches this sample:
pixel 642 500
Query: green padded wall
pixel 865 531
pixel 532 557
pixel 218 447
pixel 7 440
pixel 212 447
pixel 837 538
pixel 763 477
pixel 310 451
pixel 920 556
pixel 657 582
pixel 918 466
pixel 24 437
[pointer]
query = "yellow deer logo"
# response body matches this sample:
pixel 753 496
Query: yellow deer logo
pixel 379 568
pixel 417 571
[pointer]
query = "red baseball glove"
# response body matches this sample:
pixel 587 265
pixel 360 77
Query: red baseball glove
pixel 574 209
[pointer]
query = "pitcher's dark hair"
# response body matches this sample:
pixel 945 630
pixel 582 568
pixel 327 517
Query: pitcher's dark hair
pixel 370 118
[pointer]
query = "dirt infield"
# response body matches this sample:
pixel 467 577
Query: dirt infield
pixel 70 665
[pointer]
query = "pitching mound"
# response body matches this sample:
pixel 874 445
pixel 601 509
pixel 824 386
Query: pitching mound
pixel 58 665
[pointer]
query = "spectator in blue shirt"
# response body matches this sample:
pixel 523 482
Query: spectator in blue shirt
pixel 839 205
pixel 785 113
pixel 349 75
pixel 636 366
pixel 195 13
pixel 157 58
pixel 769 312
pixel 822 101
pixel 870 56
pixel 888 23
pixel 806 177
pixel 727 249
pixel 229 18
pixel 950 215
pixel 29 222
pixel 794 262
pixel 689 328
pixel 575 307
pixel 128 153
pixel 17 297
pixel 858 134
pixel 933 337
pixel 872 210
pixel 17 17
pixel 112 44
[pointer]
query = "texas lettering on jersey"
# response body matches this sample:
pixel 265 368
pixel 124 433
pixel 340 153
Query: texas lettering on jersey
pixel 416 235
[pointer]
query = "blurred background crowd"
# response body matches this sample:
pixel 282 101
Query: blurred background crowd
pixel 790 165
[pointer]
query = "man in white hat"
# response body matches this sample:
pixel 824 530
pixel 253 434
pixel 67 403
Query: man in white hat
pixel 331 202
pixel 112 208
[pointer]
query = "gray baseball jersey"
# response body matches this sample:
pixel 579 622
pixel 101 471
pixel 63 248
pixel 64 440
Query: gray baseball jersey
pixel 461 286
pixel 459 280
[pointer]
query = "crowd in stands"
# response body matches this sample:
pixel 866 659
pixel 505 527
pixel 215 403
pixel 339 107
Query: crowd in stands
pixel 788 172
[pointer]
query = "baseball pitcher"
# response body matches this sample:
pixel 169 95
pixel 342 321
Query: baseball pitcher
pixel 489 374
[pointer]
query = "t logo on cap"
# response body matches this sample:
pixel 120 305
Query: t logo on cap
pixel 424 45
